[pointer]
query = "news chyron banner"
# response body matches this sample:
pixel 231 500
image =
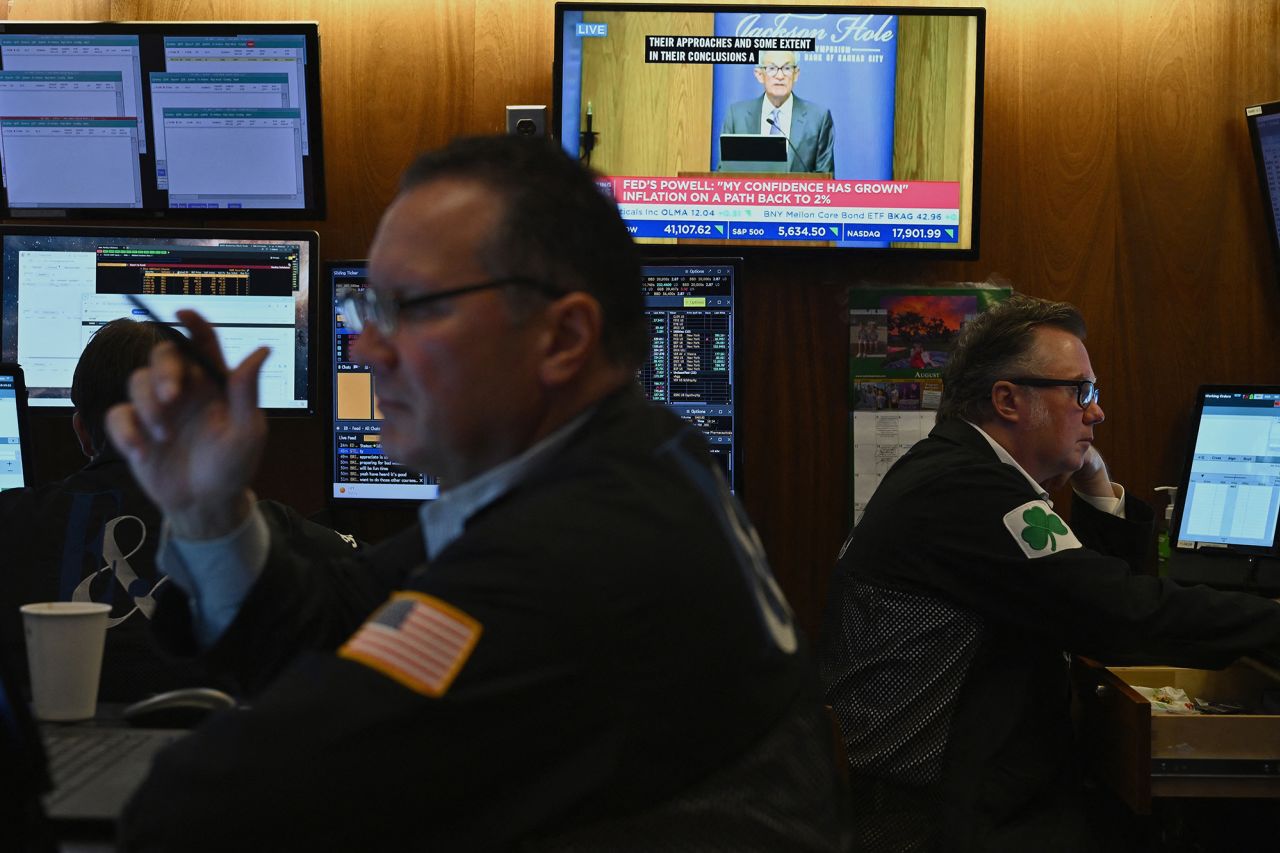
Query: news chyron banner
pixel 811 96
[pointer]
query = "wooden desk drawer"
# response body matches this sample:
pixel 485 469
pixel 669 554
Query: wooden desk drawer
pixel 1141 755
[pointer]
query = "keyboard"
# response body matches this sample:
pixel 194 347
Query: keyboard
pixel 78 756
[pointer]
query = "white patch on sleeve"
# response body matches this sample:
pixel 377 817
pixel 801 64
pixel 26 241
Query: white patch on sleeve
pixel 1039 531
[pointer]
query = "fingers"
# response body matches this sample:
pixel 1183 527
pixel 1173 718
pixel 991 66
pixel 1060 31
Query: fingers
pixel 242 385
pixel 173 389
pixel 203 337
pixel 126 431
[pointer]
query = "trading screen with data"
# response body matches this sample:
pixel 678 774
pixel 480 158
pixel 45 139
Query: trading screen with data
pixel 689 311
pixel 60 284
pixel 690 367
pixel 1231 487
pixel 361 470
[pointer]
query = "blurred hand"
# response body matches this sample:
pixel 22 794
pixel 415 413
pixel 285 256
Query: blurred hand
pixel 192 446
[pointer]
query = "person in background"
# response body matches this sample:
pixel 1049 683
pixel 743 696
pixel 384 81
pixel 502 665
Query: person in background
pixel 580 646
pixel 92 536
pixel 955 597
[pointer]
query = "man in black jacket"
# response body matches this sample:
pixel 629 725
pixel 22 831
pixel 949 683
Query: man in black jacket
pixel 958 592
pixel 579 647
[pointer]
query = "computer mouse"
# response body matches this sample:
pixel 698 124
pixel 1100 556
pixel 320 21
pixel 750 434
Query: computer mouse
pixel 177 709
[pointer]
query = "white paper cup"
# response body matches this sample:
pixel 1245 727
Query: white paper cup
pixel 64 651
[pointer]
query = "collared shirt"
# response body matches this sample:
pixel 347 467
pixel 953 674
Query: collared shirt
pixel 784 116
pixel 1110 505
pixel 444 519
pixel 218 574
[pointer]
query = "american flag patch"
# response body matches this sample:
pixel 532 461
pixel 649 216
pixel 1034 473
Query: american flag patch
pixel 418 640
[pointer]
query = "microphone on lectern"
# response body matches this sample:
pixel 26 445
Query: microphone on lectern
pixel 778 128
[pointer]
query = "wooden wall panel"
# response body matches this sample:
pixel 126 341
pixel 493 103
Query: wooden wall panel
pixel 56 10
pixel 1115 173
pixel 1196 287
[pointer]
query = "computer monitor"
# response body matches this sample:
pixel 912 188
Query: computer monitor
pixel 360 472
pixel 1264 133
pixel 1224 524
pixel 690 311
pixel 876 112
pixel 59 284
pixel 15 453
pixel 161 119
pixel 691 365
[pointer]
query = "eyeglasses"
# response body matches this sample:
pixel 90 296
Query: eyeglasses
pixel 1086 389
pixel 777 70
pixel 367 306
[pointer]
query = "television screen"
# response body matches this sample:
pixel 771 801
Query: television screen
pixel 199 120
pixel 1264 132
pixel 59 284
pixel 786 126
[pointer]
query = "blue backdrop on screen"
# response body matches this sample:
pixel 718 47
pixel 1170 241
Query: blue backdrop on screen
pixel 858 93
pixel 571 87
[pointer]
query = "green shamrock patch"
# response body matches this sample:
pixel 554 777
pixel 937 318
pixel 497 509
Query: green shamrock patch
pixel 1043 528
pixel 1038 531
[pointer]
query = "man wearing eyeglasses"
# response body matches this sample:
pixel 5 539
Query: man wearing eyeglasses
pixel 779 112
pixel 580 645
pixel 954 600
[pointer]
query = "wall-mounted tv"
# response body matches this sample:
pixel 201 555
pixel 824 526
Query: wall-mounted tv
pixel 787 126
pixel 195 120
pixel 1264 132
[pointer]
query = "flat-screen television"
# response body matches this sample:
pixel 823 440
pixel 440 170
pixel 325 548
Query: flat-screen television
pixel 788 126
pixel 1224 529
pixel 1264 132
pixel 689 306
pixel 58 284
pixel 197 120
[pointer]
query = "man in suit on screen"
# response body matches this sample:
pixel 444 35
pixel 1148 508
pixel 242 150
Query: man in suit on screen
pixel 778 111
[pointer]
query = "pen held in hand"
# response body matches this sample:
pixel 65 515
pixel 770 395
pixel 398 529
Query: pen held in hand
pixel 185 346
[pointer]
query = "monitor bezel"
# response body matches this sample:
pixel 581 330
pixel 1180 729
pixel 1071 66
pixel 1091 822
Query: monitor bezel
pixel 1269 201
pixel 311 238
pixel 316 207
pixel 747 249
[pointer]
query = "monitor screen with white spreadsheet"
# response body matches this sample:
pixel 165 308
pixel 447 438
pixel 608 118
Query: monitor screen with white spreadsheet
pixel 1229 497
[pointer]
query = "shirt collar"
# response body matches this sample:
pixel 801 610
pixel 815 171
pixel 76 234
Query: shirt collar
pixel 1008 459
pixel 444 519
